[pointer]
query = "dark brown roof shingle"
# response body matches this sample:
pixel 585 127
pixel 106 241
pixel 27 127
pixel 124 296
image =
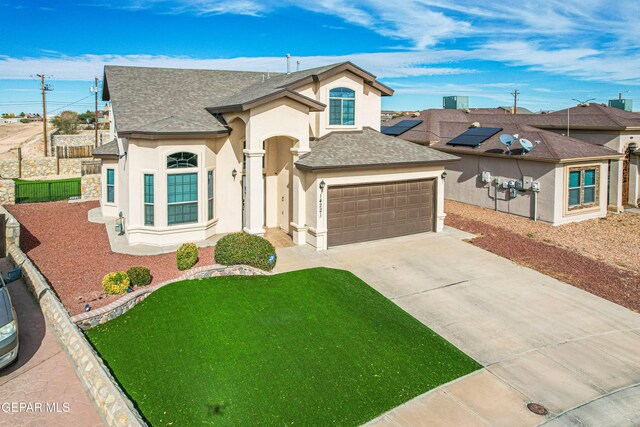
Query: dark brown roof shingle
pixel 367 148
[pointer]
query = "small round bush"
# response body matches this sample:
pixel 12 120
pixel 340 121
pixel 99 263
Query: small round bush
pixel 247 249
pixel 115 283
pixel 187 256
pixel 139 276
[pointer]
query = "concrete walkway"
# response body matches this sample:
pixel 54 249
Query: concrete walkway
pixel 42 373
pixel 539 339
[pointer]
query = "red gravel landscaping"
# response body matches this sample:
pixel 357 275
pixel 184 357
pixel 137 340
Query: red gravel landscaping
pixel 604 280
pixel 74 254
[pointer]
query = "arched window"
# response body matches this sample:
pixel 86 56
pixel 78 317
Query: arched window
pixel 182 160
pixel 342 106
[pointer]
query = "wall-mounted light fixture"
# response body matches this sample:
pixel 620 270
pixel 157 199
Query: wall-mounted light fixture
pixel 444 175
pixel 322 185
pixel 234 173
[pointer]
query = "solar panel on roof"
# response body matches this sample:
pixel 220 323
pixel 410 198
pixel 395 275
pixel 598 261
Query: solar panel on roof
pixel 400 127
pixel 408 123
pixel 473 137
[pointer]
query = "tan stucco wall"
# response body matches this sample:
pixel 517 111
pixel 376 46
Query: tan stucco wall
pixel 110 209
pixel 367 105
pixel 618 141
pixel 464 185
pixel 149 157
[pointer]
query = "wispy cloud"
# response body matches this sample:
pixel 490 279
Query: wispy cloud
pixel 85 67
pixel 563 37
pixel 584 39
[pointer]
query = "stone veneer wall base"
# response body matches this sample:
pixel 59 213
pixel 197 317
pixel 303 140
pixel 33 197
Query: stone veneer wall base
pixel 112 404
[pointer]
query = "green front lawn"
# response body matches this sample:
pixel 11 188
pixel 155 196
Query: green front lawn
pixel 310 347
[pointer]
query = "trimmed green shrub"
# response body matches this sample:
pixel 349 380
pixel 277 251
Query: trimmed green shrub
pixel 247 249
pixel 115 283
pixel 187 256
pixel 139 276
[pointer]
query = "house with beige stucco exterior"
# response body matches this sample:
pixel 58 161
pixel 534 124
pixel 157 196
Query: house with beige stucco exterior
pixel 199 153
pixel 544 175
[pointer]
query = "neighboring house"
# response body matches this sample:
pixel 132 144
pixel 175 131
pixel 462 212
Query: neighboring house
pixel 203 152
pixel 608 127
pixel 600 125
pixel 560 180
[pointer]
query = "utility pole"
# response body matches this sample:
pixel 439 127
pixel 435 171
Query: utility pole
pixel 515 94
pixel 44 88
pixel 95 120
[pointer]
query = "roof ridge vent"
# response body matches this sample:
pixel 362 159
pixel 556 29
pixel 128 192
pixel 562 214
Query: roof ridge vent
pixel 474 125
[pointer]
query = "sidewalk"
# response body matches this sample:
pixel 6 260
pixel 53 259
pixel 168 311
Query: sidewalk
pixel 42 374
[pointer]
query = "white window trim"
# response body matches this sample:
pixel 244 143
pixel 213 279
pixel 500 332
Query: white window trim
pixel 357 102
pixel 213 197
pixel 183 171
pixel 106 186
pixel 155 194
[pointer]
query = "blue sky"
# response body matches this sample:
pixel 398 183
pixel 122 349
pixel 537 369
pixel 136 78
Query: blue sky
pixel 552 50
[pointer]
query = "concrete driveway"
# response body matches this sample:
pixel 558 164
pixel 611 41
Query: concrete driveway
pixel 539 339
pixel 42 374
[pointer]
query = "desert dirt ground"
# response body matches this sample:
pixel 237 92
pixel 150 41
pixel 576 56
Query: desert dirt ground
pixel 614 240
pixel 25 135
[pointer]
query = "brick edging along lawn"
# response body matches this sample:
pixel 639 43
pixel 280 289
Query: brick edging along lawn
pixel 74 254
pixel 614 284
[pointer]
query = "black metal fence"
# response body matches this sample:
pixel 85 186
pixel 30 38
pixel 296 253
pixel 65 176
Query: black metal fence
pixel 47 191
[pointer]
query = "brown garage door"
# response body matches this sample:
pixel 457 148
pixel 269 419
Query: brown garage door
pixel 357 213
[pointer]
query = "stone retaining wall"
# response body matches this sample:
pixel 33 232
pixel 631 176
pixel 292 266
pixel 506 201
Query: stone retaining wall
pixel 113 405
pixel 9 168
pixel 40 166
pixel 7 192
pixel 102 315
pixel 91 188
pixel 78 140
pixel 11 227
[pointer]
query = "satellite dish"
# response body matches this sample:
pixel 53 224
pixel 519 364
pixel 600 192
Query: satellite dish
pixel 506 139
pixel 526 144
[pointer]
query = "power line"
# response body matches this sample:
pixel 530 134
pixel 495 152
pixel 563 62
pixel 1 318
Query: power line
pixel 75 102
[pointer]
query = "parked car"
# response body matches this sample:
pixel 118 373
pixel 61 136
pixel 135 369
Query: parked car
pixel 8 327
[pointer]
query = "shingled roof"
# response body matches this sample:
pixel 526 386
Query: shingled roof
pixel 549 146
pixel 367 148
pixel 108 150
pixel 587 117
pixel 161 101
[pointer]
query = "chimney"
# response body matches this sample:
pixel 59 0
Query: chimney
pixel 288 63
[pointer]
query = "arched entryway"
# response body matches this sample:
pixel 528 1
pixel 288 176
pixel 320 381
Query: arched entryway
pixel 278 183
